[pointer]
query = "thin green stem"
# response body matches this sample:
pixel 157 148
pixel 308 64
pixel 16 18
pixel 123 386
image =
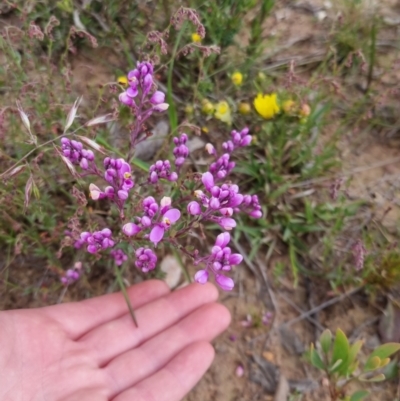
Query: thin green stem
pixel 125 294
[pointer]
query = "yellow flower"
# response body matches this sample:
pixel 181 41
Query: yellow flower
pixel 244 108
pixel 205 130
pixel 122 80
pixel 207 107
pixel 196 38
pixel 223 112
pixel 266 105
pixel 237 78
pixel 261 76
pixel 288 106
pixel 189 109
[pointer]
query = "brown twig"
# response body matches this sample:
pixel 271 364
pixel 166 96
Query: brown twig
pixel 324 305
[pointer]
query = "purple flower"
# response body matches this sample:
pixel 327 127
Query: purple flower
pixel 239 140
pixel 221 260
pixel 168 218
pixel 74 152
pixel 157 98
pixel 150 206
pixel 222 167
pixel 119 174
pixel 181 151
pixel 125 99
pixel 72 275
pixel 119 256
pixel 141 82
pixel 96 241
pixel 226 283
pixel 201 276
pixel 161 169
pixel 146 259
pixel 251 205
pixel 208 180
pixel 131 229
pixel 194 208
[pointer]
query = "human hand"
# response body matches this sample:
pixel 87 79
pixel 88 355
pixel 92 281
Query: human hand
pixel 91 350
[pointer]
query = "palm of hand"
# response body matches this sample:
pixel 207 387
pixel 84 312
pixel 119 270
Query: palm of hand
pixel 91 350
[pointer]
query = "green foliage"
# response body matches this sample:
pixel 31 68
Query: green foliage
pixel 340 361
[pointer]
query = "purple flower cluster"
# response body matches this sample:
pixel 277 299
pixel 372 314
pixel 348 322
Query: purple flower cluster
pixel 72 275
pixel 161 169
pixel 119 174
pixel 74 152
pixel 216 199
pixel 158 218
pixel 239 140
pixel 181 151
pixel 146 259
pixel 251 206
pixel 220 202
pixel 223 165
pixel 96 241
pixel 119 256
pixel 141 81
pixel 221 260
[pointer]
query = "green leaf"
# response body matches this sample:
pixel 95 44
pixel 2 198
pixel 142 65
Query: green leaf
pixel 372 364
pixel 359 395
pixel 141 164
pixel 378 378
pixel 382 352
pixel 316 359
pixel 341 350
pixel 326 340
pixel 354 350
pixel 335 365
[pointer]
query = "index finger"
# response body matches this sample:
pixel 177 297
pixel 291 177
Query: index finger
pixel 78 318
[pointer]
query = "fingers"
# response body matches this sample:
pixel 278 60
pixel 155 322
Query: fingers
pixel 118 336
pixel 135 365
pixel 77 318
pixel 176 379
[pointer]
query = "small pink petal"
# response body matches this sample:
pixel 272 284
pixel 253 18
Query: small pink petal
pixel 172 215
pixel 201 276
pixel 227 223
pixel 226 283
pixel 239 371
pixel 208 180
pixel 223 240
pixel 157 234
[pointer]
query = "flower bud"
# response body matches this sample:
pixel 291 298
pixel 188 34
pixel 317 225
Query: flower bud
pixel 226 283
pixel 201 276
pixel 157 97
pixel 131 229
pixel 194 208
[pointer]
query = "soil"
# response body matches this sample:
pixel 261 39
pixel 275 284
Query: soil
pixel 271 355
